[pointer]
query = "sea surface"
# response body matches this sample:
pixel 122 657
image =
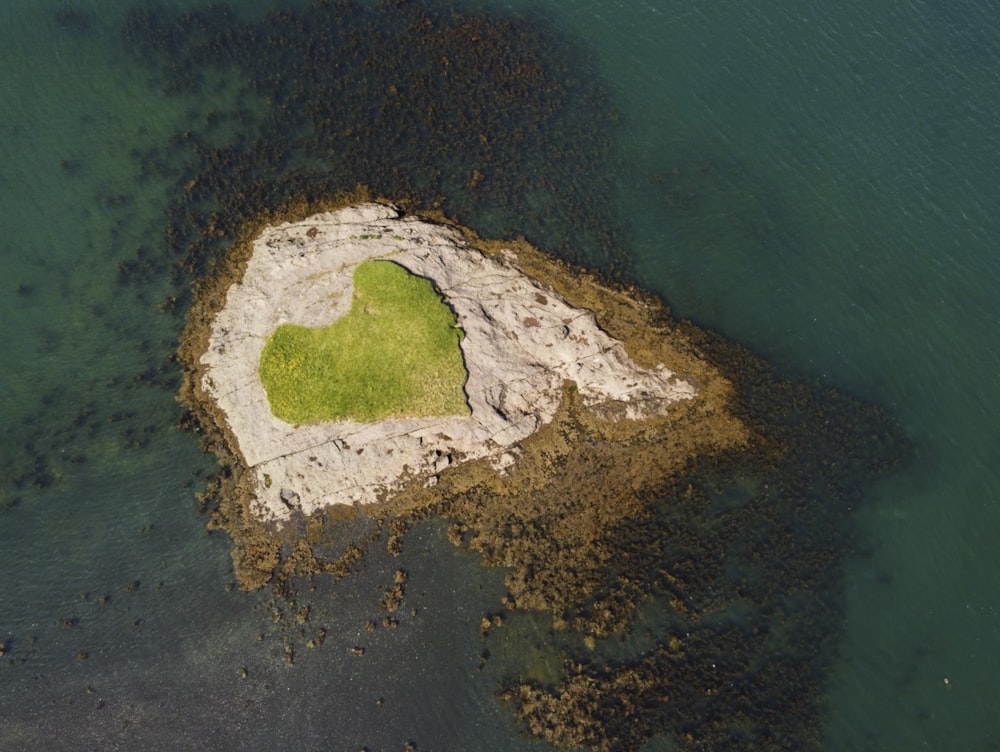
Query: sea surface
pixel 818 181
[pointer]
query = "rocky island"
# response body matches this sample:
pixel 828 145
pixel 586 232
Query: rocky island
pixel 521 343
pixel 566 385
pixel 357 369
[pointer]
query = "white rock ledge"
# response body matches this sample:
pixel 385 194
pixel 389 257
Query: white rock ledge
pixel 521 343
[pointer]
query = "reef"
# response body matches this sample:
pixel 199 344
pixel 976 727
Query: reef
pixel 720 496
pixel 728 518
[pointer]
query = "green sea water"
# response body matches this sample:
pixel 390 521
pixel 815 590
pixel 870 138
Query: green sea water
pixel 814 181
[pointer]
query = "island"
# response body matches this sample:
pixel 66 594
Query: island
pixel 529 346
pixel 359 368
pixel 307 357
pixel 520 343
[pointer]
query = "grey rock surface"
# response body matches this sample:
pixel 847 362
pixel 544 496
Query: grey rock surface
pixel 521 343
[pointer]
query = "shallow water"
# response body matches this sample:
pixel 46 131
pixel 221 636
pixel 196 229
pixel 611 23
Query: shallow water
pixel 814 182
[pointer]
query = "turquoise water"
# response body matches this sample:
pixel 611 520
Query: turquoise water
pixel 813 181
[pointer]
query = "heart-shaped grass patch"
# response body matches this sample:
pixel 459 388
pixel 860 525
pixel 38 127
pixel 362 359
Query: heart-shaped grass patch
pixel 395 353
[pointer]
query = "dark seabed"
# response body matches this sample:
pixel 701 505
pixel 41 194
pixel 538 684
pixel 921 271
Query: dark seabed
pixel 814 182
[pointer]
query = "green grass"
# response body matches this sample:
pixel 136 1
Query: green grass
pixel 395 353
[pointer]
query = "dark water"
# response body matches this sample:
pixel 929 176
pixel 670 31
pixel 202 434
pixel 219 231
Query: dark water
pixel 816 182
